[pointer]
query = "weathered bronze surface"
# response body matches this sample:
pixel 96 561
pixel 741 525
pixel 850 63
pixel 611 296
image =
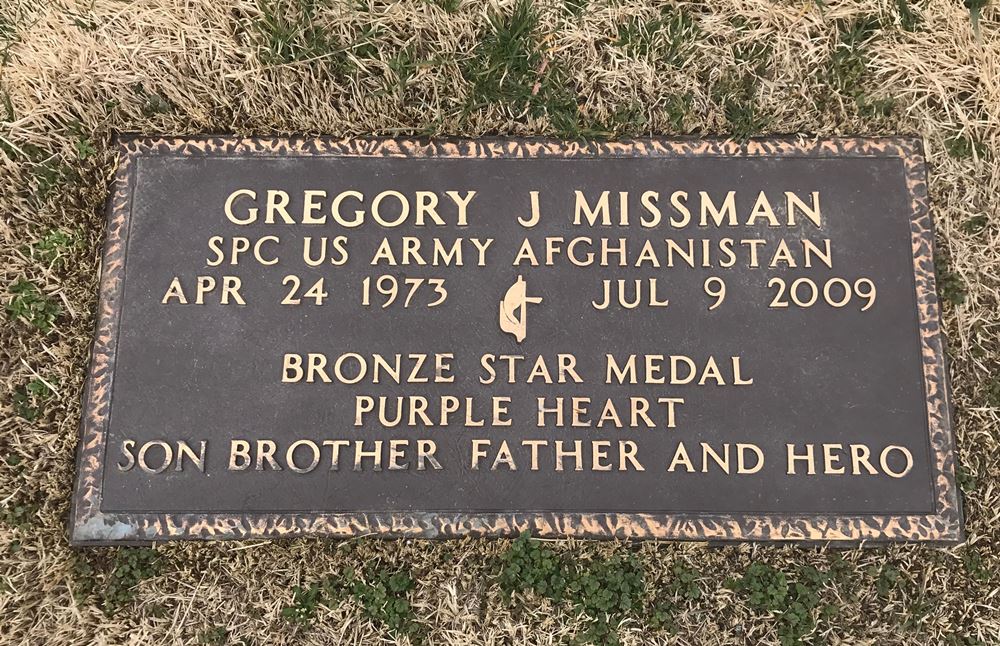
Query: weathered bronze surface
pixel 687 336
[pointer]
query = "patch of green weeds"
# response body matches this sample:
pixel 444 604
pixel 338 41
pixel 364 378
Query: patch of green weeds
pixel 403 65
pixel 668 38
pixel 624 121
pixel 632 119
pixel 576 7
pixel 607 590
pixel 601 591
pixel 888 578
pixel 157 610
pixel 8 115
pixel 873 108
pixel 982 343
pixel 636 35
pixel 367 43
pixel 532 565
pixel 975 8
pixel 85 148
pixel 909 19
pixel 153 103
pixel 917 610
pixel 11 17
pixel 305 601
pixel 797 602
pixel 676 108
pixel 54 247
pixel 49 170
pixel 840 570
pixel 132 565
pixel 29 399
pixel 382 594
pixel 18 509
pixel 214 636
pixel 433 126
pixel 950 285
pixel 33 307
pixel 680 31
pixel 50 174
pixel 682 587
pixel 8 35
pixel 684 583
pixel 842 574
pixel 18 512
pixel 754 55
pixel 736 94
pixel 504 68
pixel 975 224
pixel 848 68
pixel 84 580
pixel 966 480
pixel 972 560
pixel 736 90
pixel 289 32
pixel 510 68
pixel 848 63
pixel 449 6
pixel 991 391
pixel 84 22
pixel 963 147
pixel 764 587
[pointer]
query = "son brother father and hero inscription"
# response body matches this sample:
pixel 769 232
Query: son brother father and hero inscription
pixel 654 339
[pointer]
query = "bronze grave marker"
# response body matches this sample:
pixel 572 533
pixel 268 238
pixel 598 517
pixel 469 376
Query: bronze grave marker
pixel 653 339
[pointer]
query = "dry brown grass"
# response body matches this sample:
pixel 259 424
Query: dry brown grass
pixel 79 71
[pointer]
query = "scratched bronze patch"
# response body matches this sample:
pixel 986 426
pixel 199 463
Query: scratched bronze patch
pixel 652 339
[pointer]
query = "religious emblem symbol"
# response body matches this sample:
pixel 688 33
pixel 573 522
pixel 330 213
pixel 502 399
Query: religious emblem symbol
pixel 514 309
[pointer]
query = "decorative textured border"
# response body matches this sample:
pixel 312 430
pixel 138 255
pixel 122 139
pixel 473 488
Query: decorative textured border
pixel 89 525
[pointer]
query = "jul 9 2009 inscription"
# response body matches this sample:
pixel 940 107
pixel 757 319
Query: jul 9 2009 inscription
pixel 651 339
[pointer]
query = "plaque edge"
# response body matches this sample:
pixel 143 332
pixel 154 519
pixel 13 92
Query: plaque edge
pixel 89 525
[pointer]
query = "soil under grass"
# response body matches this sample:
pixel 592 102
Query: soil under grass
pixel 73 73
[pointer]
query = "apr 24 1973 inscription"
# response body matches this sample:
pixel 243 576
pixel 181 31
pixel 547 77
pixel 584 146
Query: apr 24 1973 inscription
pixel 652 339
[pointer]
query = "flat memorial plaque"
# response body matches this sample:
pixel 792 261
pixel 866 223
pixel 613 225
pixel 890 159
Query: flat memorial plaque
pixel 652 339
